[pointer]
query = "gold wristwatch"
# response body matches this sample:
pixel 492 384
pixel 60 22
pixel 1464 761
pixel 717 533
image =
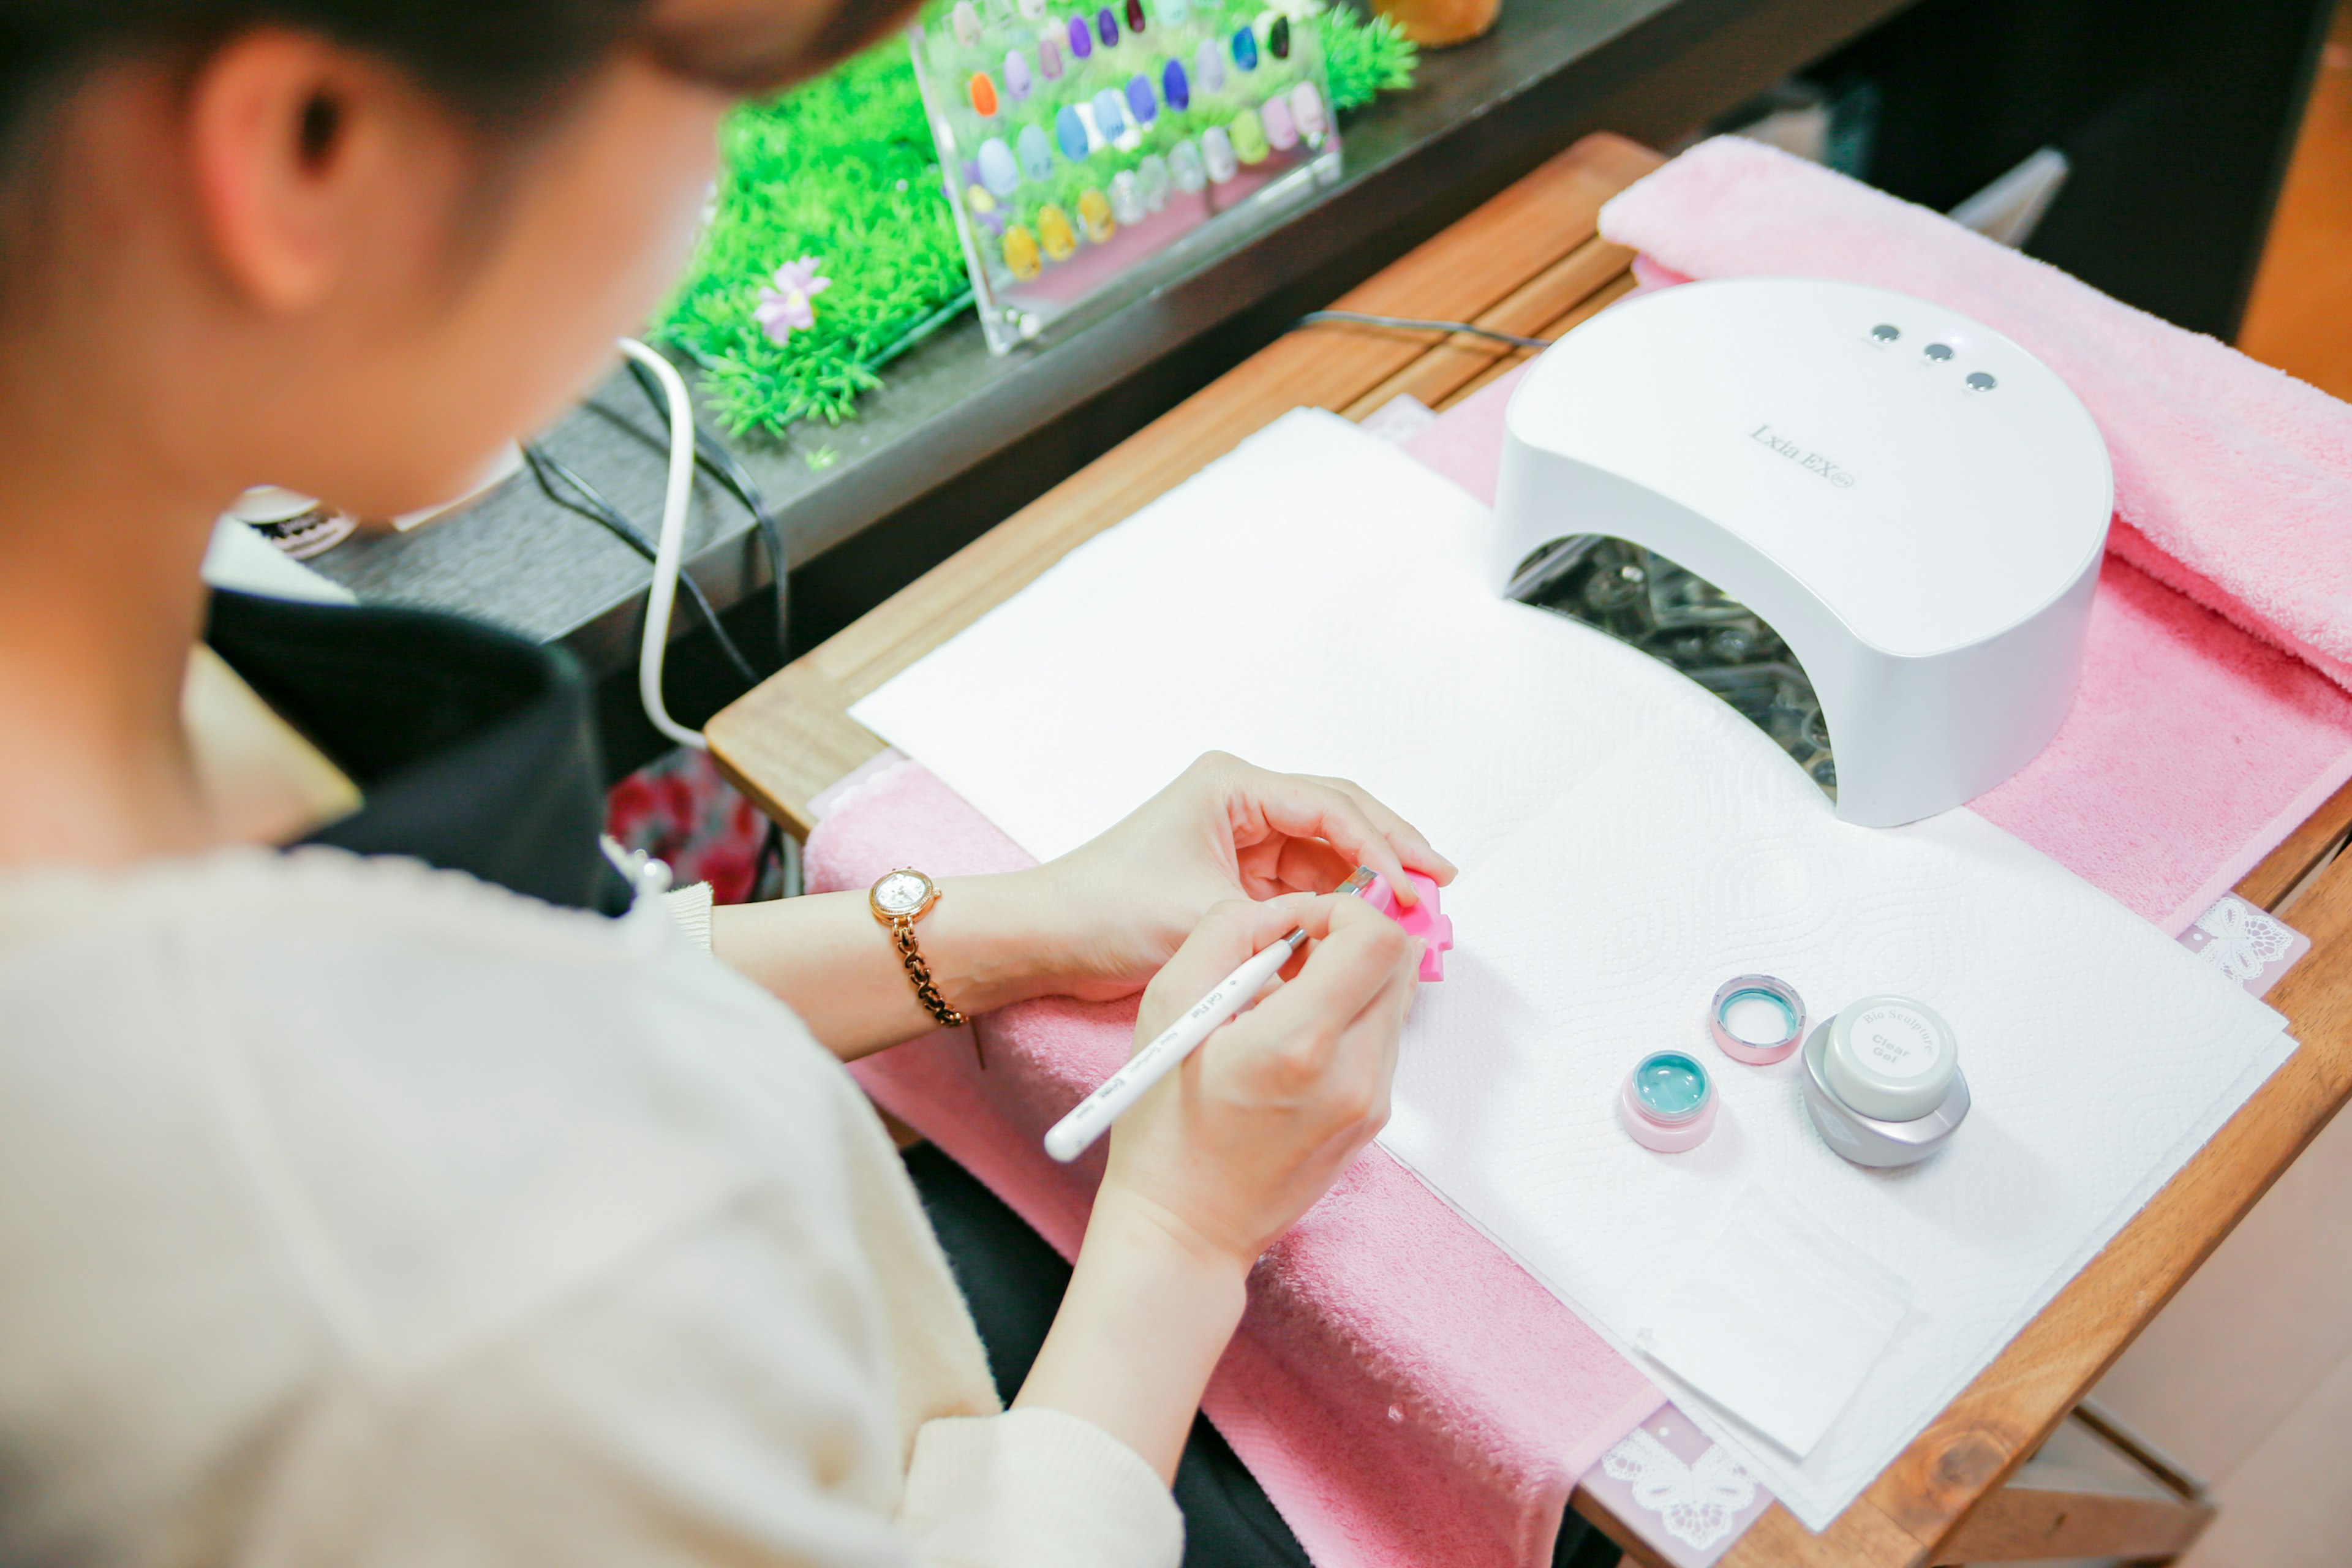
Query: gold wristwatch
pixel 899 900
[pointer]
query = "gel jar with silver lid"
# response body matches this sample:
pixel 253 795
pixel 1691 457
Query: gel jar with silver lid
pixel 1883 1082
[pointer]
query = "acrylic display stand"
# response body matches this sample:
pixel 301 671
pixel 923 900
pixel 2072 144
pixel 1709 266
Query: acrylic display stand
pixel 1092 153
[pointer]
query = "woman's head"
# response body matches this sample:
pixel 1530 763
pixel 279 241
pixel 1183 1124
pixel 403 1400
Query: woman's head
pixel 352 245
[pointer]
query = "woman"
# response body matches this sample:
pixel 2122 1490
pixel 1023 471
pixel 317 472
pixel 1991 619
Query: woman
pixel 361 1212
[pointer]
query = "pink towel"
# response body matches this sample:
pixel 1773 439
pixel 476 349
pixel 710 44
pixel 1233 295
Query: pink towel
pixel 2234 482
pixel 1404 1392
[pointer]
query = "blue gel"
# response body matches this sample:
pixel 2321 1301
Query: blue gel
pixel 1174 87
pixel 1670 1086
pixel 1072 132
pixel 1140 104
pixel 1111 113
pixel 1245 49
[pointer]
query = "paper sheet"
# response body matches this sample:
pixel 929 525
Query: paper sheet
pixel 1313 601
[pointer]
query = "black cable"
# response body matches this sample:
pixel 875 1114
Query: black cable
pixel 547 469
pixel 1414 324
pixel 713 456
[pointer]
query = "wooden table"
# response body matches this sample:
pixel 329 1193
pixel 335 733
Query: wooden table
pixel 2011 1470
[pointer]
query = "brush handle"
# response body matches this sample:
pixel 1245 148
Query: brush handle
pixel 1072 1135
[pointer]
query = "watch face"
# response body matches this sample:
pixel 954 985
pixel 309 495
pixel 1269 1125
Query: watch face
pixel 900 893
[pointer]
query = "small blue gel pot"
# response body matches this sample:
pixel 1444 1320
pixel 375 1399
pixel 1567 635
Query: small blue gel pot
pixel 1668 1102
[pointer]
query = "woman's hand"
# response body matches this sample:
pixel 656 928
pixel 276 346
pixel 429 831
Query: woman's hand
pixel 1122 903
pixel 1220 1158
pixel 1243 1138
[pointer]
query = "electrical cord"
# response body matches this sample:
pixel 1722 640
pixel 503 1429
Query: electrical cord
pixel 713 457
pixel 586 500
pixel 1414 324
pixel 669 547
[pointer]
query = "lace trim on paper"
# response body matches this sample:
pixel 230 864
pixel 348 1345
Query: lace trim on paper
pixel 1697 1503
pixel 2245 940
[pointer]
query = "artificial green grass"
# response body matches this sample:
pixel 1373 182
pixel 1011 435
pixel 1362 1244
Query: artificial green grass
pixel 843 169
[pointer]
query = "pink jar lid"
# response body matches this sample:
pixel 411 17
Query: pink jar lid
pixel 1668 1102
pixel 1757 1018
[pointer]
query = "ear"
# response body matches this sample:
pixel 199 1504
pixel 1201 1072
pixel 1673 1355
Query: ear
pixel 290 137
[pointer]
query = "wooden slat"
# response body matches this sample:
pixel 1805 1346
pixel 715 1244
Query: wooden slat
pixel 785 742
pixel 2027 1524
pixel 1591 305
pixel 2292 861
pixel 1526 312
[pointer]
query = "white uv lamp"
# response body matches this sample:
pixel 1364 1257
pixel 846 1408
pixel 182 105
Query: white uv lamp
pixel 1913 504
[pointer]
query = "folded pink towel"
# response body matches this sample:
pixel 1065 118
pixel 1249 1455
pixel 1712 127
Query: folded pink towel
pixel 2234 482
pixel 1405 1394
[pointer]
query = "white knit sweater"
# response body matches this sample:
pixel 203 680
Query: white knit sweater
pixel 352 1213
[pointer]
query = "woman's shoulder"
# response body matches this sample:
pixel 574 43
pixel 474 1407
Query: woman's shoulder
pixel 471 1100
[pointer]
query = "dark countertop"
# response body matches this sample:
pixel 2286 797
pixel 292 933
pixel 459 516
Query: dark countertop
pixel 959 434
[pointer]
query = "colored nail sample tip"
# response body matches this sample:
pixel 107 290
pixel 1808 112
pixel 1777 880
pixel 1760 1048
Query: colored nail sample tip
pixel 1049 57
pixel 1110 112
pixel 1281 131
pixel 1174 12
pixel 1071 131
pixel 1055 233
pixel 984 95
pixel 1184 167
pixel 1094 211
pixel 966 22
pixel 1107 28
pixel 1277 38
pixel 1032 10
pixel 1140 101
pixel 1082 43
pixel 1135 17
pixel 1017 79
pixel 1021 257
pixel 1208 66
pixel 1151 175
pixel 1126 197
pixel 1249 137
pixel 1036 153
pixel 1306 107
pixel 998 171
pixel 1174 87
pixel 1217 153
pixel 1245 49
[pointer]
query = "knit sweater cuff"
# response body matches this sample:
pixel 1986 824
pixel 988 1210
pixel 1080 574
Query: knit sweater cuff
pixel 1036 1488
pixel 690 908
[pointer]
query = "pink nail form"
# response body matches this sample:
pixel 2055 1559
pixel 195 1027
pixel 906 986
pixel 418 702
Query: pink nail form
pixel 1425 920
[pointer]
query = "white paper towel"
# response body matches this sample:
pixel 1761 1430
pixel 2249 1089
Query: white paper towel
pixel 1777 1319
pixel 1313 602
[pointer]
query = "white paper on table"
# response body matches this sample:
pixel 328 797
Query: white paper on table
pixel 1776 1320
pixel 1313 602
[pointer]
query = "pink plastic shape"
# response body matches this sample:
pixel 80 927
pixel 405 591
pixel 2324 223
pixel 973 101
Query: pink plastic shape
pixel 1425 920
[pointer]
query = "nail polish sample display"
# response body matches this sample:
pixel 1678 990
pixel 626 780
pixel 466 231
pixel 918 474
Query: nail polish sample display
pixel 1143 103
pixel 1049 155
pixel 1036 152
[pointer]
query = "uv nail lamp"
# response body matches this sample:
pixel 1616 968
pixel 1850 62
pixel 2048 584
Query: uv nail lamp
pixel 1913 504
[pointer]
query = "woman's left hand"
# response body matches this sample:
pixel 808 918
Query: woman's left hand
pixel 1121 905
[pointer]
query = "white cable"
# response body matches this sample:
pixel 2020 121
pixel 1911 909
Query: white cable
pixel 669 553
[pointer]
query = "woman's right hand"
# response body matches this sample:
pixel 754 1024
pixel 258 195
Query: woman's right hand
pixel 1231 1149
